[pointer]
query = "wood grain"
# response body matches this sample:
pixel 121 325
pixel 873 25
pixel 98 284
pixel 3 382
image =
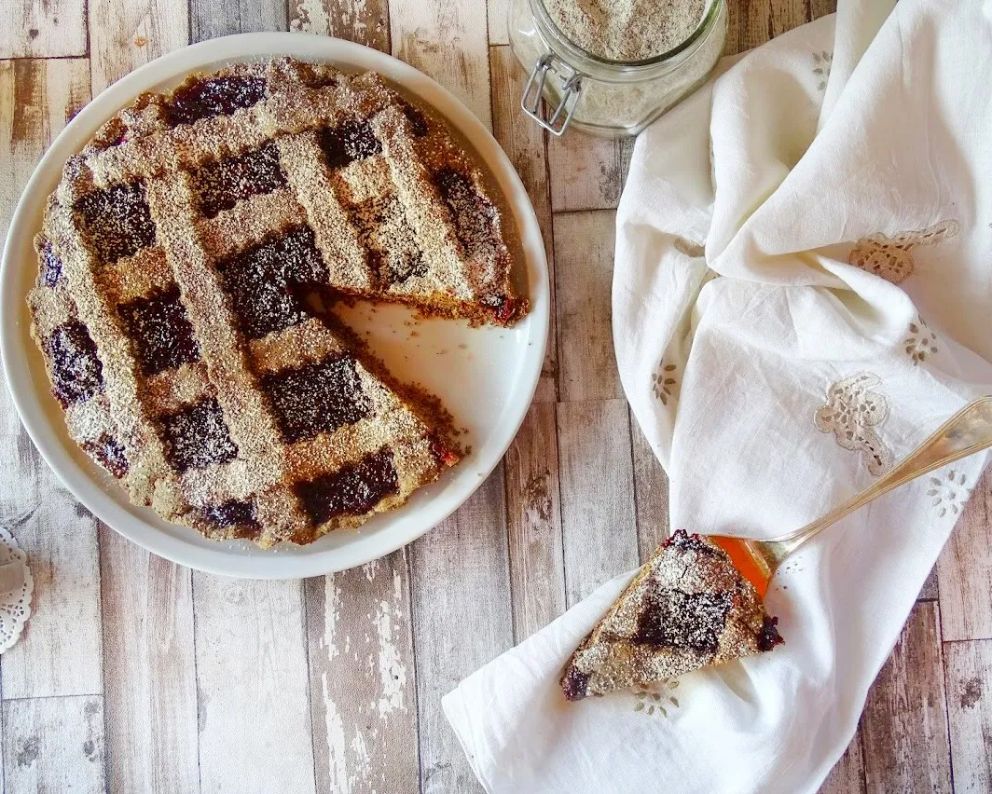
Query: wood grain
pixel 848 776
pixel 252 686
pixel 597 494
pixel 365 22
pixel 650 494
pixel 586 172
pixel 42 28
pixel 964 570
pixel 462 619
pixel 905 729
pixel 447 40
pixel 526 147
pixel 362 691
pixel 537 577
pixel 753 22
pixel 53 744
pixel 211 18
pixel 584 276
pixel 36 98
pixel 124 34
pixel 149 670
pixel 968 666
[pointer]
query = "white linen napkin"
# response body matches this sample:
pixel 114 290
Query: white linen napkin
pixel 838 180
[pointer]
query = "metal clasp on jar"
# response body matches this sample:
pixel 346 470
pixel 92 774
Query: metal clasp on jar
pixel 571 85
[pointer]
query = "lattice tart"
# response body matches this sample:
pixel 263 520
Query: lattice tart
pixel 188 265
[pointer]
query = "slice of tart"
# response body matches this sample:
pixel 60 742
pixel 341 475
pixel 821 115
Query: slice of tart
pixel 686 608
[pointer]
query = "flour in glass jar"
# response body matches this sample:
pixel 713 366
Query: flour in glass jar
pixel 626 30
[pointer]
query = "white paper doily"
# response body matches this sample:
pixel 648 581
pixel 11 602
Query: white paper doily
pixel 15 605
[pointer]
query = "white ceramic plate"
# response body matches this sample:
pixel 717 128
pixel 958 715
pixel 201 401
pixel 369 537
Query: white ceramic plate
pixel 485 376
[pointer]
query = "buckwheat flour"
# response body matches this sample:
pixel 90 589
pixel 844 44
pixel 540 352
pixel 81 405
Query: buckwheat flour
pixel 626 30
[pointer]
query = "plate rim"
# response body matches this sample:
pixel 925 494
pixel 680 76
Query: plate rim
pixel 171 66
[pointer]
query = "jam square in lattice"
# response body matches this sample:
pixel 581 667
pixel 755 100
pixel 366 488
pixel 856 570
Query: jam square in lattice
pixel 353 140
pixel 316 398
pixel 267 282
pixel 159 331
pixel 231 514
pixel 223 183
pixel 77 373
pixel 352 490
pixel 220 96
pixel 116 222
pixel 197 436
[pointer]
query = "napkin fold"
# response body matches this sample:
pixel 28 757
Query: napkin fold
pixel 802 293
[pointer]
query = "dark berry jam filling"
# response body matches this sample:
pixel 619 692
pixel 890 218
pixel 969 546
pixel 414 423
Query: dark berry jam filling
pixel 267 283
pixel 109 453
pixel 675 619
pixel 218 96
pixel 51 265
pixel 353 140
pixel 353 490
pixel 232 513
pixel 159 331
pixel 223 183
pixel 473 214
pixel 769 637
pixel 116 222
pixel 197 436
pixel 316 398
pixel 574 684
pixel 418 122
pixel 77 373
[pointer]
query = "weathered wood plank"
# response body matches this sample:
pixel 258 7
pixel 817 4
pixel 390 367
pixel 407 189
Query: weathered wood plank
pixel 537 574
pixel 446 40
pixel 968 666
pixel 362 691
pixel 211 18
pixel 586 172
pixel 526 147
pixel 36 98
pixel 125 35
pixel 906 747
pixel 753 22
pixel 149 669
pixel 964 570
pixel 650 493
pixel 462 619
pixel 929 591
pixel 818 8
pixel 252 684
pixel 43 28
pixel 848 776
pixel 54 744
pixel 597 494
pixel 499 14
pixel 587 367
pixel 365 22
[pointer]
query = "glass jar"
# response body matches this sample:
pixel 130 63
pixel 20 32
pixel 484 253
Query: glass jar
pixel 603 97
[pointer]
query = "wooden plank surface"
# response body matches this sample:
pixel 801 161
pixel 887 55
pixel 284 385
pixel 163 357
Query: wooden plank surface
pixel 363 698
pixel 54 744
pixel 584 276
pixel 42 28
pixel 36 98
pixel 253 705
pixel 148 653
pixel 964 570
pixel 906 745
pixel 459 626
pixel 969 710
pixel 344 673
